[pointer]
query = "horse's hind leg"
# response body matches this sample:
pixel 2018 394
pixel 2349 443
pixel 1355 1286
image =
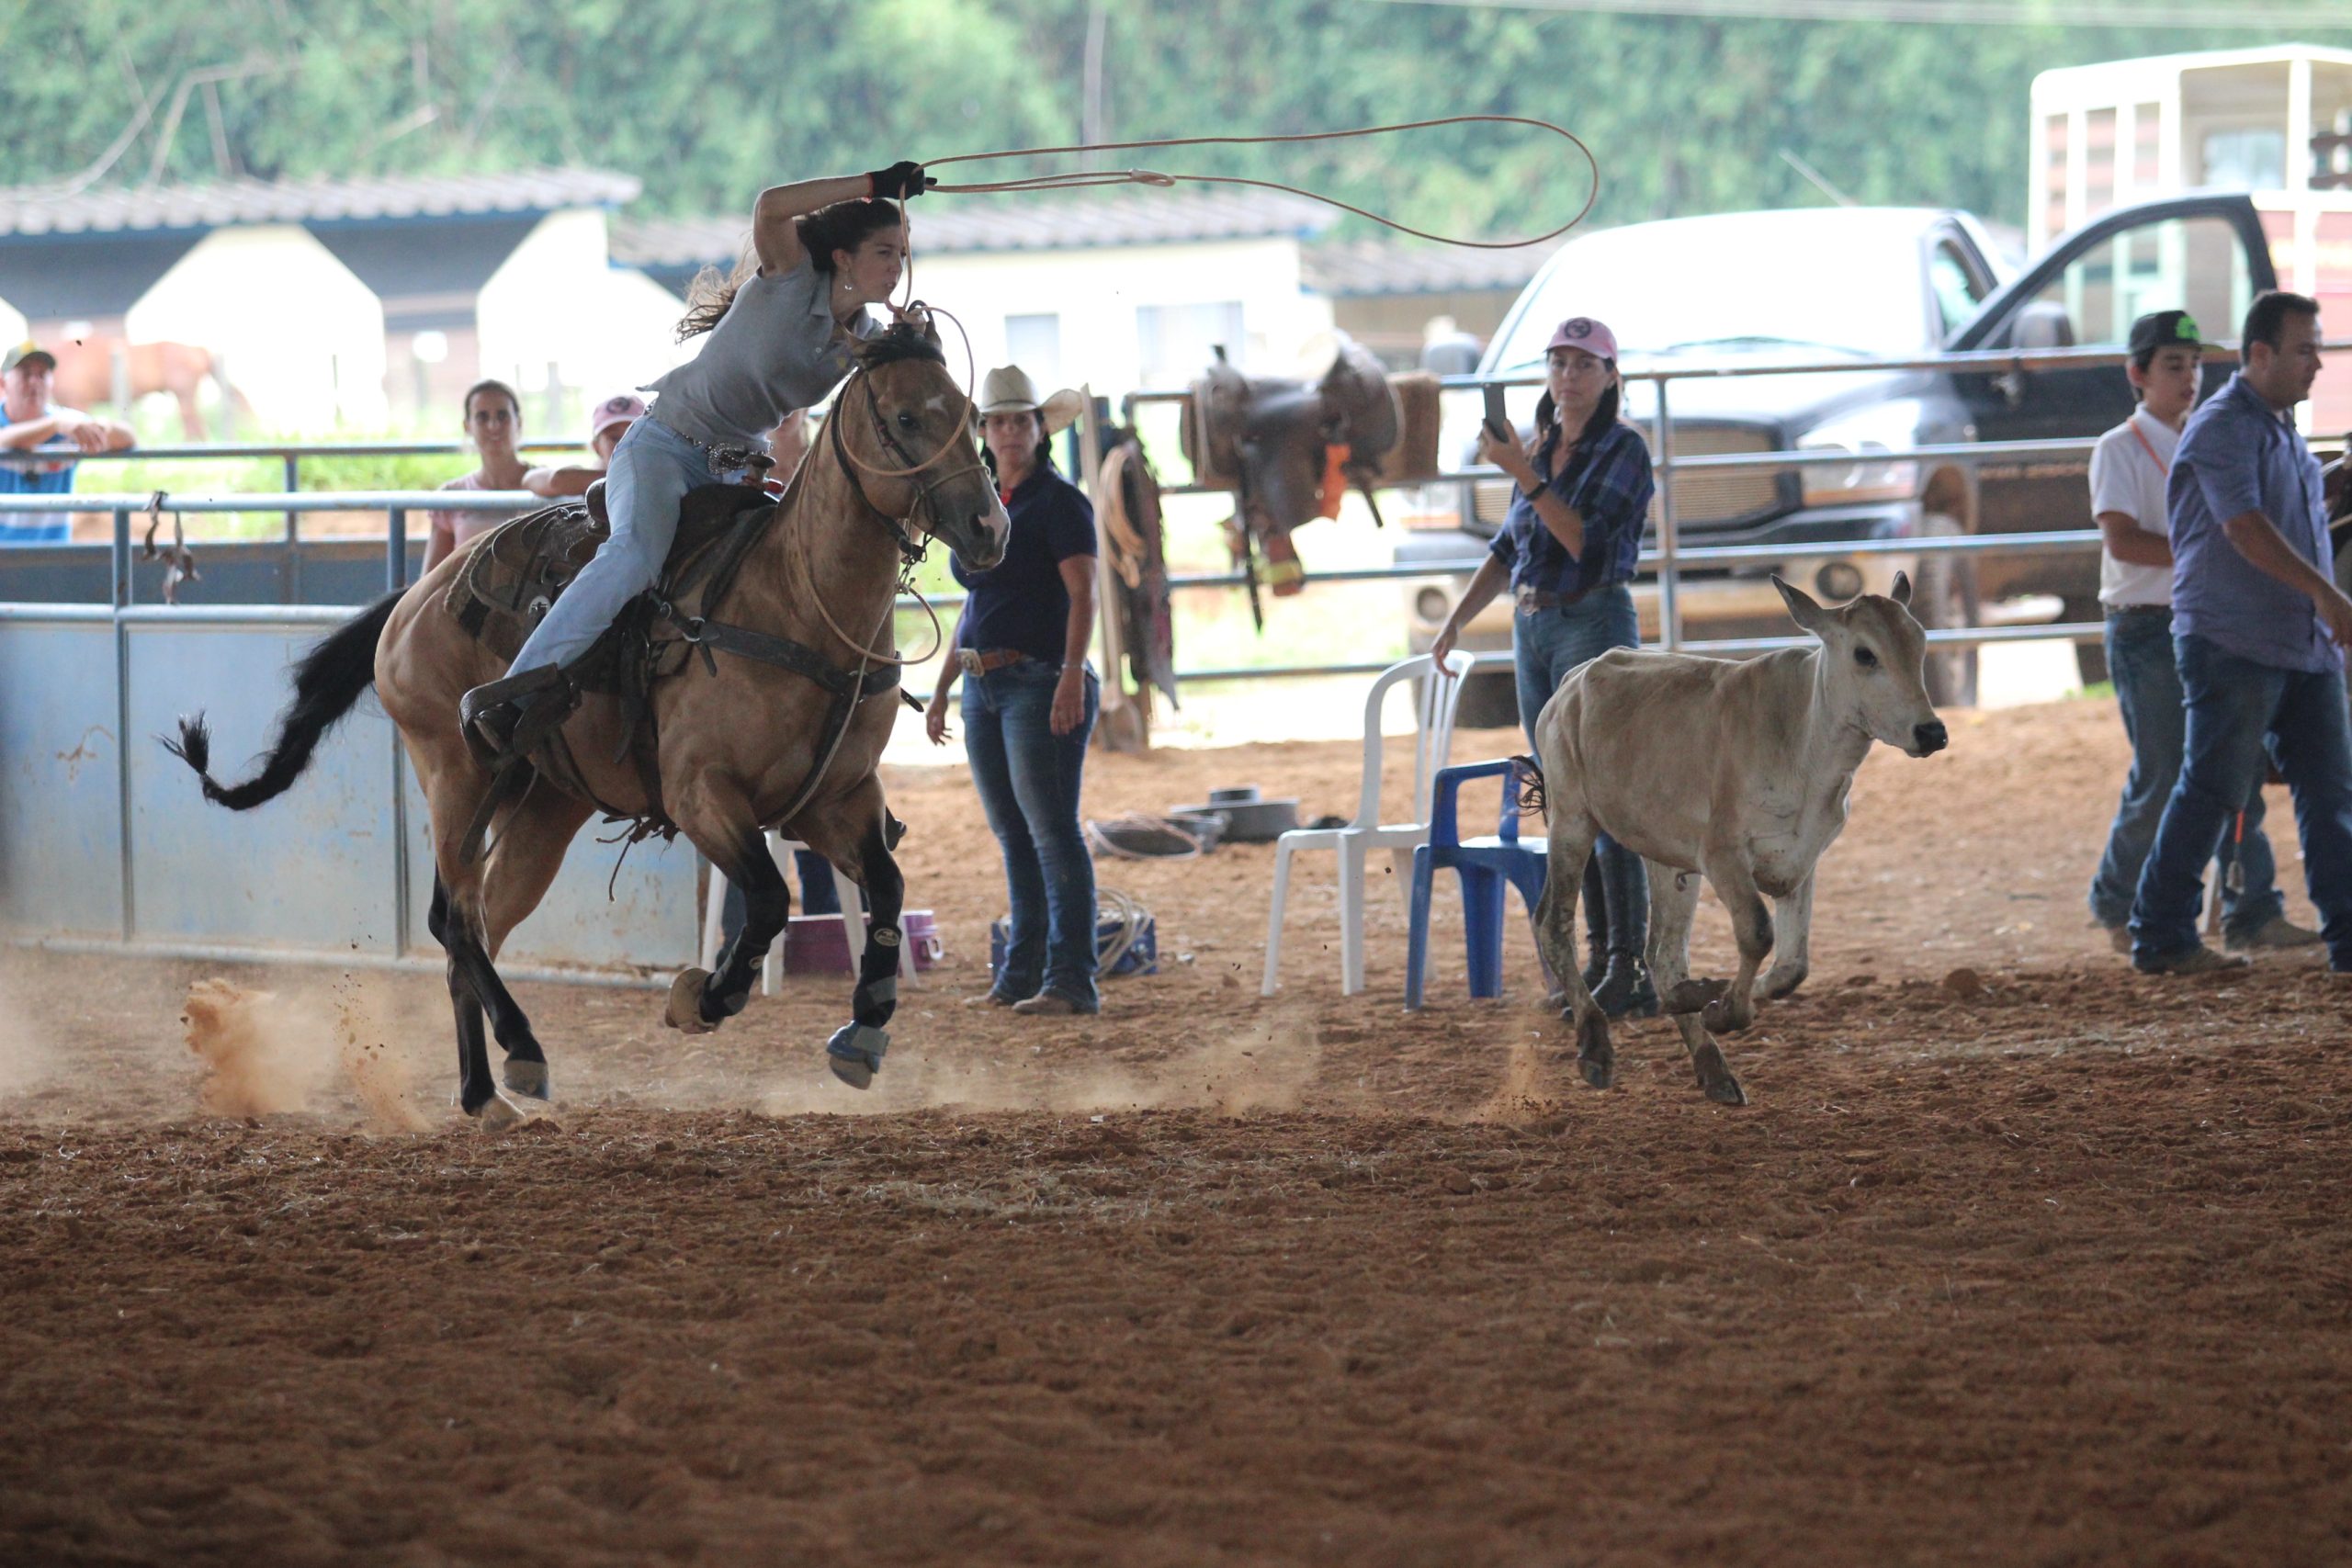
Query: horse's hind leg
pixel 857 837
pixel 1674 899
pixel 476 1090
pixel 526 855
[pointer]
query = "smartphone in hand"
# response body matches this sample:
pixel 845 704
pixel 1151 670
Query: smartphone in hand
pixel 1497 416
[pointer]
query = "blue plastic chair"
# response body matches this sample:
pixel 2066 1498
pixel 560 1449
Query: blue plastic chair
pixel 1484 865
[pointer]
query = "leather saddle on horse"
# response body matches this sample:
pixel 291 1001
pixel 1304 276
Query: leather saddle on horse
pixel 515 574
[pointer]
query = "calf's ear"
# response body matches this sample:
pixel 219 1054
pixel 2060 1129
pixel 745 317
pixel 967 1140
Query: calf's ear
pixel 1901 592
pixel 1802 608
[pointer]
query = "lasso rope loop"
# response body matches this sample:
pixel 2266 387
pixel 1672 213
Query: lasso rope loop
pixel 1080 179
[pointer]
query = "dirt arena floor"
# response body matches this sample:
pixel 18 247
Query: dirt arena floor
pixel 2015 1258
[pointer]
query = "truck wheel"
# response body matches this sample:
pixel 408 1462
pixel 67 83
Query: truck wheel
pixel 2089 657
pixel 1944 599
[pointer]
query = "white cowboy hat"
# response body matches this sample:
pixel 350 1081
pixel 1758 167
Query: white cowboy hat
pixel 1007 389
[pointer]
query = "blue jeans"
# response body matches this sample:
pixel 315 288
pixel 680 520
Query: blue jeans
pixel 652 470
pixel 2147 688
pixel 1029 780
pixel 2238 708
pixel 1546 645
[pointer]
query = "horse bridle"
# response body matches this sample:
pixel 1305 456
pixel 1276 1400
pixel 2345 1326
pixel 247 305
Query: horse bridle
pixel 910 551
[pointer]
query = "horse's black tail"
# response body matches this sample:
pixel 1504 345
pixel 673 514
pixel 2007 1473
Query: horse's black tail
pixel 327 684
pixel 1531 787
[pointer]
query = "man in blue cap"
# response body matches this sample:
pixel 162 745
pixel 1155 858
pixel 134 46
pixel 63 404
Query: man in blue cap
pixel 30 422
pixel 2259 630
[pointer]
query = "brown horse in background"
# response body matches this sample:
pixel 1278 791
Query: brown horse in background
pixel 85 376
pixel 740 753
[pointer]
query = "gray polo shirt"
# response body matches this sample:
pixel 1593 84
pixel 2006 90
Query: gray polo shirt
pixel 2238 456
pixel 774 351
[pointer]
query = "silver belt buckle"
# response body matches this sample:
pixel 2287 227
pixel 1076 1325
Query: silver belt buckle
pixel 969 657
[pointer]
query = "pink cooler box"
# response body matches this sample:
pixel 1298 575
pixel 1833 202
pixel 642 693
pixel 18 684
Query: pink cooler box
pixel 816 944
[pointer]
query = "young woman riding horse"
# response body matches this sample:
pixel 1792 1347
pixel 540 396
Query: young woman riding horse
pixel 781 336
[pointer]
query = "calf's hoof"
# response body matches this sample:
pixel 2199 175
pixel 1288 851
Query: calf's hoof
pixel 684 1011
pixel 1783 983
pixel 1596 1058
pixel 528 1080
pixel 1690 996
pixel 855 1053
pixel 1715 1077
pixel 1725 1016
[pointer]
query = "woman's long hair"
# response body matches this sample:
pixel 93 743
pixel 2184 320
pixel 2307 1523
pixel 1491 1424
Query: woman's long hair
pixel 844 226
pixel 1603 419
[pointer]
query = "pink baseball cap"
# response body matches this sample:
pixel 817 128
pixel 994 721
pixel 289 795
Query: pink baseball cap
pixel 1584 332
pixel 622 409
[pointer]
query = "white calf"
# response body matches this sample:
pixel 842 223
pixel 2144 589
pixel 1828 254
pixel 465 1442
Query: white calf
pixel 1735 769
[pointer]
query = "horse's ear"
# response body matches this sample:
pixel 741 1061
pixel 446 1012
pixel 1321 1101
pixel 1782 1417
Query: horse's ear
pixel 930 330
pixel 1901 591
pixel 1802 607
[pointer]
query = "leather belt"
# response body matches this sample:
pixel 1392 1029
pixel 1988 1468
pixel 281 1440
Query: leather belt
pixel 1532 599
pixel 976 662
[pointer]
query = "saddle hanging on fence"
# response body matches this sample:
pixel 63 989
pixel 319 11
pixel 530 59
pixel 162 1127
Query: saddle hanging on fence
pixel 1291 449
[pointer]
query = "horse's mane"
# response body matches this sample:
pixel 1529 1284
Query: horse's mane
pixel 900 341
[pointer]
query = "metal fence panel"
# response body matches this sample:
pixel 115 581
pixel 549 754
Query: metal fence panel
pixel 315 867
pixel 61 844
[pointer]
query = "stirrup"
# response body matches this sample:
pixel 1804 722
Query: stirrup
pixel 508 719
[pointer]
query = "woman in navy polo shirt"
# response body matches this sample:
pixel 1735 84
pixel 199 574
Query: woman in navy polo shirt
pixel 1030 701
pixel 1567 551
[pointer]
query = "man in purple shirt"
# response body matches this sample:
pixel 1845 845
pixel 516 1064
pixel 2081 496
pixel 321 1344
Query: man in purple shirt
pixel 2258 632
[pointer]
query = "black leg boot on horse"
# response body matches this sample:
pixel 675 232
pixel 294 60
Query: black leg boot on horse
pixel 855 1053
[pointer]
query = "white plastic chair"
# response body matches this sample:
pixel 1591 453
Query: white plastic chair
pixel 1433 741
pixel 853 921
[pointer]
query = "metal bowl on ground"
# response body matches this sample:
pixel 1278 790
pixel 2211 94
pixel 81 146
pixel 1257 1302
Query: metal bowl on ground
pixel 1249 817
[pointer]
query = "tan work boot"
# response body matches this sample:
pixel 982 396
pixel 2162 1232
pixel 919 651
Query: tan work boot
pixel 2277 932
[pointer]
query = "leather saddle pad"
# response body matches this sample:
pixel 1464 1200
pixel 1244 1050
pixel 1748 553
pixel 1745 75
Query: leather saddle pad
pixel 516 572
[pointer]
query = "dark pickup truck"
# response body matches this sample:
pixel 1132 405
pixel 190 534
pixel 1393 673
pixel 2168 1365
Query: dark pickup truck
pixel 1820 285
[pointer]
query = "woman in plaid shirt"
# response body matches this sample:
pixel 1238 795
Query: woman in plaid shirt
pixel 1567 551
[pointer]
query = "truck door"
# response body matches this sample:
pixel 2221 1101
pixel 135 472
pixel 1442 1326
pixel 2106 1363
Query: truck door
pixel 2204 255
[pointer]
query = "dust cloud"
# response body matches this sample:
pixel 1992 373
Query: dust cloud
pixel 267 1053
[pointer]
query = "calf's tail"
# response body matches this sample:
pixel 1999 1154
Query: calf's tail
pixel 1531 787
pixel 327 684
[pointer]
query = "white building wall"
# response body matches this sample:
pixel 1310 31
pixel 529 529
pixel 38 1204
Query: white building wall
pixel 557 301
pixel 1096 295
pixel 294 329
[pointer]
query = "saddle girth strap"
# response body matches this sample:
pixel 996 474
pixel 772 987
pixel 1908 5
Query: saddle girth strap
pixel 797 657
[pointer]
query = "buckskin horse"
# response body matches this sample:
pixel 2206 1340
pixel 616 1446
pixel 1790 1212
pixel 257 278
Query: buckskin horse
pixel 774 717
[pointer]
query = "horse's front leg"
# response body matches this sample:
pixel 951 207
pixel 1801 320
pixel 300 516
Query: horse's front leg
pixel 855 1053
pixel 723 826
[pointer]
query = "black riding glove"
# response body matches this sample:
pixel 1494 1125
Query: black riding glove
pixel 900 180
